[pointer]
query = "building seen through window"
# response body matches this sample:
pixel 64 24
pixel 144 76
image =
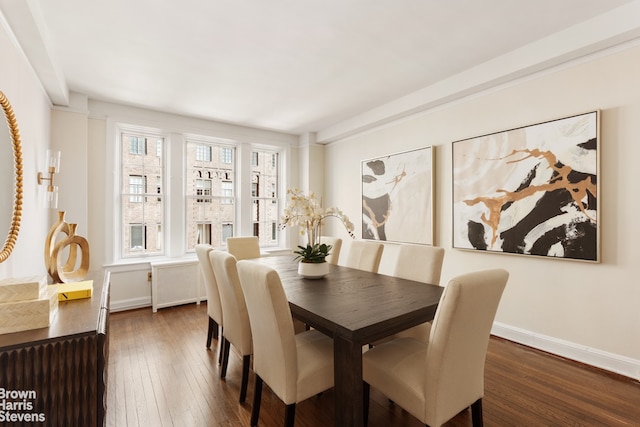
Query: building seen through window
pixel 264 194
pixel 142 206
pixel 210 193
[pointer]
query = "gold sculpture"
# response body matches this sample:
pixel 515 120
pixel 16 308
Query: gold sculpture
pixel 53 249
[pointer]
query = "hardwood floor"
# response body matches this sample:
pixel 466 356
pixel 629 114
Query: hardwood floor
pixel 160 374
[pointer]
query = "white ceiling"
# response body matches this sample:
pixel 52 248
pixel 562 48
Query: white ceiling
pixel 294 66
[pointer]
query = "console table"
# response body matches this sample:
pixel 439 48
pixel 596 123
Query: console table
pixel 61 370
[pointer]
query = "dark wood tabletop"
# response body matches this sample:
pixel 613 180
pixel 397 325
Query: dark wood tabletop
pixel 356 308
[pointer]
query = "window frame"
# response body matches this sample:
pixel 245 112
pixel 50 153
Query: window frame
pixel 171 232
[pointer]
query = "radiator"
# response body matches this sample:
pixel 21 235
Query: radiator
pixel 175 283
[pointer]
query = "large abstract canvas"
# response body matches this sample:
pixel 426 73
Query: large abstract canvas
pixel 397 197
pixel 531 190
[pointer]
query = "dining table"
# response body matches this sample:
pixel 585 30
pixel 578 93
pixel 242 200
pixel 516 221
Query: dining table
pixel 355 308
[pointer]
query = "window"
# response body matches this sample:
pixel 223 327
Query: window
pixel 226 156
pixel 202 195
pixel 227 231
pixel 264 184
pixel 203 188
pixel 136 241
pixel 142 208
pixel 158 237
pixel 204 233
pixel 136 186
pixel 227 192
pixel 137 145
pixel 210 193
pixel 203 153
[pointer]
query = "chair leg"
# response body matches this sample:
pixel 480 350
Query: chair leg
pixel 212 332
pixel 476 413
pixel 290 415
pixel 366 388
pixel 226 345
pixel 245 377
pixel 255 409
pixel 221 345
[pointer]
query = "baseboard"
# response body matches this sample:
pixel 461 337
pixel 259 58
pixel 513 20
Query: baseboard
pixel 129 304
pixel 600 359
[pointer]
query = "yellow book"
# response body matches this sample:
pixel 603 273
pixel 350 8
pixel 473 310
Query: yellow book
pixel 75 290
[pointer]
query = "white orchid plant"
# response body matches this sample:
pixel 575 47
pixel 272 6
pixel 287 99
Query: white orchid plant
pixel 306 212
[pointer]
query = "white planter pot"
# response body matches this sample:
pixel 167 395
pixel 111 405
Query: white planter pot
pixel 311 270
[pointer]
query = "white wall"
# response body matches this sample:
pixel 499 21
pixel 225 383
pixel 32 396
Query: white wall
pixel 69 135
pixel 32 110
pixel 586 311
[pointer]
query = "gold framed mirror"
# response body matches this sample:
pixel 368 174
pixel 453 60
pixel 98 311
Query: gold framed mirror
pixel 14 216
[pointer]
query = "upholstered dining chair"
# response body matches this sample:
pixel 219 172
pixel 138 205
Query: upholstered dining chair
pixel 422 264
pixel 237 331
pixel 214 307
pixel 245 247
pixel 364 255
pixel 434 381
pixel 294 366
pixel 336 245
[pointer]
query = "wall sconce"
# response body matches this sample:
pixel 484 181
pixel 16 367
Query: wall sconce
pixel 53 167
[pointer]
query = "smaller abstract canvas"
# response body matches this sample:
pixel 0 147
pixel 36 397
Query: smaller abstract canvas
pixel 531 190
pixel 397 197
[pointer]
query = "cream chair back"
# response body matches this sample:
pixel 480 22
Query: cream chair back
pixel 234 308
pixel 214 306
pixel 364 255
pixel 245 247
pixel 437 379
pixel 336 245
pixel 420 263
pixel 458 343
pixel 275 356
pixel 295 366
pixel 237 330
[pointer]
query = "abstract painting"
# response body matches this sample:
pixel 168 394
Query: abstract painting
pixel 531 190
pixel 397 197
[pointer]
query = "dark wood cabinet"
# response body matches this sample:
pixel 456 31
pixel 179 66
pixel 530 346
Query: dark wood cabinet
pixel 59 372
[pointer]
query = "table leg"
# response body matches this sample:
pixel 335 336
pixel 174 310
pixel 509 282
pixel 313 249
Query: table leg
pixel 347 358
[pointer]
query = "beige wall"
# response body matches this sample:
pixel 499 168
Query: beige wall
pixel 590 309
